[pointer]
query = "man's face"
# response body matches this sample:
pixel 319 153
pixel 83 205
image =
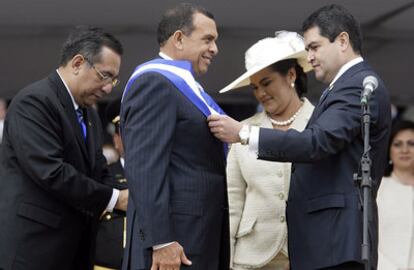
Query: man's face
pixel 200 46
pixel 91 86
pixel 323 55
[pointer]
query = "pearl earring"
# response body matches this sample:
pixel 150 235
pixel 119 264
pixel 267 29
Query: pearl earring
pixel 390 162
pixel 292 85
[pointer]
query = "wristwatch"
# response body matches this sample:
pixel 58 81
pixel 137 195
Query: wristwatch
pixel 244 134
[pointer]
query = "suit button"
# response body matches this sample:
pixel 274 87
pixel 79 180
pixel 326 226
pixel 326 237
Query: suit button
pixel 282 219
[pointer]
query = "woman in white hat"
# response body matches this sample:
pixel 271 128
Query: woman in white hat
pixel 258 189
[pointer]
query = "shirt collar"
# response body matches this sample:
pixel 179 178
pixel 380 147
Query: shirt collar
pixel 163 55
pixel 75 105
pixel 344 68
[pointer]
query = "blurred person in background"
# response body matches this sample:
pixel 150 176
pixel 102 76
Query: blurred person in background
pixel 110 153
pixel 258 189
pixel 396 202
pixel 111 237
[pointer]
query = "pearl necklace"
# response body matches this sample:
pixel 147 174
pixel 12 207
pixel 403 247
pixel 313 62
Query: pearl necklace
pixel 286 122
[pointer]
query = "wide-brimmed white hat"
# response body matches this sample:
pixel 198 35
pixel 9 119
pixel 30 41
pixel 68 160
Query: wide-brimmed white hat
pixel 285 45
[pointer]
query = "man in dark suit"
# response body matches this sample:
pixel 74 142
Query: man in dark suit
pixel 175 167
pixel 52 167
pixel 324 210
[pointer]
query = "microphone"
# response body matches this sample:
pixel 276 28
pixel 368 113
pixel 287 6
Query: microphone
pixel 369 84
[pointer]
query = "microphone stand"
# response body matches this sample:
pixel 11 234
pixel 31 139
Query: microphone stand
pixel 365 182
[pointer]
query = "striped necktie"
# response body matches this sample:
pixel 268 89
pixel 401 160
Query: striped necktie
pixel 81 121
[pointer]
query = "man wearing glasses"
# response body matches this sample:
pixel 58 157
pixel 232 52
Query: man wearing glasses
pixel 52 167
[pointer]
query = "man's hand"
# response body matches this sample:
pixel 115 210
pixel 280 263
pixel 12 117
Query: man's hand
pixel 122 202
pixel 169 258
pixel 224 128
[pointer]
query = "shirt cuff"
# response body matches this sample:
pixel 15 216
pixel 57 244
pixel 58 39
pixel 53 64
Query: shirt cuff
pixel 111 205
pixel 254 140
pixel 161 246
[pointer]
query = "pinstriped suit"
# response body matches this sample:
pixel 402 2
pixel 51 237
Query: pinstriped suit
pixel 176 173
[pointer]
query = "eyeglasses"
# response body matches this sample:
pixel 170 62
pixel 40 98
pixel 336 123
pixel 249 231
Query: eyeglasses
pixel 104 78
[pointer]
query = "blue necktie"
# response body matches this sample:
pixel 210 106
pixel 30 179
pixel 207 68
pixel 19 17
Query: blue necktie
pixel 81 122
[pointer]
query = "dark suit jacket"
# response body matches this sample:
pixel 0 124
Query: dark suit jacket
pixel 176 177
pixel 50 190
pixel 324 210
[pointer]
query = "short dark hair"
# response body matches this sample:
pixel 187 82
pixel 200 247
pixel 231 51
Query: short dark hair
pixel 179 18
pixel 331 21
pixel 396 128
pixel 301 81
pixel 88 41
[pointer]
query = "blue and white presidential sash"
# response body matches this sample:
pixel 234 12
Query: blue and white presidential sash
pixel 179 73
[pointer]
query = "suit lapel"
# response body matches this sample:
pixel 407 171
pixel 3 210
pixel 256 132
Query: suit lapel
pixel 337 85
pixel 67 104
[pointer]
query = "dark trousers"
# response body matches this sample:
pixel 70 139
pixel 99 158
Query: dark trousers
pixel 346 266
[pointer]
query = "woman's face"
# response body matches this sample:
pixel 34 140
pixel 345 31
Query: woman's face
pixel 402 150
pixel 274 90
